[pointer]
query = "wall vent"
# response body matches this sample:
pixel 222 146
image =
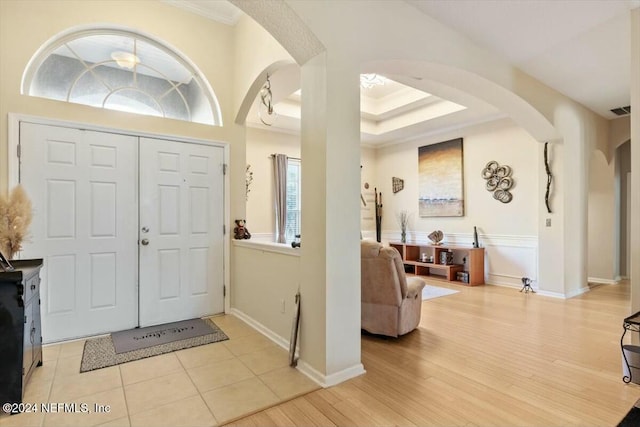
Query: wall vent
pixel 622 111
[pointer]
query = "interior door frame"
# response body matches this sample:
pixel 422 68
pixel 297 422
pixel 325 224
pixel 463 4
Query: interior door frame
pixel 13 139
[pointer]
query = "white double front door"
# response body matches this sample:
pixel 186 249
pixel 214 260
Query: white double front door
pixel 130 229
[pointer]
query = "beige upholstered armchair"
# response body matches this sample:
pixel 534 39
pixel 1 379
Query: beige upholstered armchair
pixel 391 302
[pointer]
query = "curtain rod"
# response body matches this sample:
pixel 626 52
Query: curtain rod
pixel 289 157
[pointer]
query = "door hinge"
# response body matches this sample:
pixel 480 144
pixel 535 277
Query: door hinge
pixel 224 291
pixel 19 150
pixel 224 169
pixel 224 229
pixel 25 320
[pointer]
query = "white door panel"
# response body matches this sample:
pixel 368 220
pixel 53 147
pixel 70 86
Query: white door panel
pixel 82 185
pixel 181 220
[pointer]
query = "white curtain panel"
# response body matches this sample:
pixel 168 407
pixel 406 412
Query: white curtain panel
pixel 280 194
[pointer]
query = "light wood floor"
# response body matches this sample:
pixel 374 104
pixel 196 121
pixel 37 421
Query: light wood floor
pixel 487 356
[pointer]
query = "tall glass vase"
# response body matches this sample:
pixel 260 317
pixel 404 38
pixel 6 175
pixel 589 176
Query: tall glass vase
pixel 403 237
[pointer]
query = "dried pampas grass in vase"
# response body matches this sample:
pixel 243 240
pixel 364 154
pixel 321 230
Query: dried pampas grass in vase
pixel 15 218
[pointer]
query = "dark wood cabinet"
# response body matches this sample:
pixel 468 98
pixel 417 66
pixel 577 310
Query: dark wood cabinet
pixel 20 332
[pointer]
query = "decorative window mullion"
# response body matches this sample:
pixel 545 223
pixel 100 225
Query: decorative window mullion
pixel 158 72
pixel 90 70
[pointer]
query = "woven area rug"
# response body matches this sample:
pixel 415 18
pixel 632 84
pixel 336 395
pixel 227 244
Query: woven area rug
pixel 100 352
pixel 431 291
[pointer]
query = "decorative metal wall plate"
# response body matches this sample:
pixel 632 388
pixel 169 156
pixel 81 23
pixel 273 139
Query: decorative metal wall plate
pixel 397 184
pixel 499 181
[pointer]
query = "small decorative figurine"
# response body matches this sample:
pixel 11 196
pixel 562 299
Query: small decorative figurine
pixel 240 231
pixel 526 285
pixel 436 237
pixel 475 237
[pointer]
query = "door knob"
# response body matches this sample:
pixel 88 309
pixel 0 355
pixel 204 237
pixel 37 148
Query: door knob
pixel 144 242
pixel 145 229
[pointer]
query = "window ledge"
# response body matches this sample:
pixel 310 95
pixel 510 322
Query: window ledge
pixel 279 248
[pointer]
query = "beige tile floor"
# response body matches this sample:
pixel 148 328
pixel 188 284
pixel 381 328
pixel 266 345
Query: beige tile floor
pixel 200 386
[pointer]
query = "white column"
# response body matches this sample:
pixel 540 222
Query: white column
pixel 635 160
pixel 563 245
pixel 330 256
pixel 576 207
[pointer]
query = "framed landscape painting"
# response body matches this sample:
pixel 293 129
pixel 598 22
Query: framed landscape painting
pixel 440 179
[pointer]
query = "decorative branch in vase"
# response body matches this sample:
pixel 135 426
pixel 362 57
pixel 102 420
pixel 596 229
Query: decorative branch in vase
pixel 378 202
pixel 248 179
pixel 15 218
pixel 403 220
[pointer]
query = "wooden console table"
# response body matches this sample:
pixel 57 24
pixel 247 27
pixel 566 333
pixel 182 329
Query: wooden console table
pixel 411 253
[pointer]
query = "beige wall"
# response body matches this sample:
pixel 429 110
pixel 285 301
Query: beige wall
pixel 456 61
pixel 508 232
pixel 255 52
pixel 26 25
pixel 368 175
pixel 261 144
pixel 634 231
pixel 266 282
pixel 232 64
pixel 623 188
pixel 501 141
pixel 619 133
pixel 601 220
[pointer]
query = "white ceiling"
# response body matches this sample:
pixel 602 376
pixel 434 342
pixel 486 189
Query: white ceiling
pixel 580 48
pixel 392 113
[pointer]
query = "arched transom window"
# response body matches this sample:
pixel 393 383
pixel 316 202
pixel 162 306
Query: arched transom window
pixel 121 70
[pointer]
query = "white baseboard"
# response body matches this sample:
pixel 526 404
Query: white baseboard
pixel 561 295
pixel 509 281
pixel 602 281
pixel 577 292
pixel 551 294
pixel 261 328
pixel 316 376
pixel 514 285
pixel 333 379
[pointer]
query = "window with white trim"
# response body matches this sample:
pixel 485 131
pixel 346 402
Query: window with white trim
pixel 293 199
pixel 121 70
